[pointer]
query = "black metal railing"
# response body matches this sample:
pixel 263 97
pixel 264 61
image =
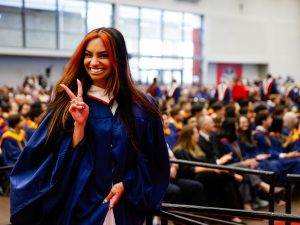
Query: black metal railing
pixel 290 179
pixel 188 214
pixel 193 211
pixel 231 212
pixel 239 170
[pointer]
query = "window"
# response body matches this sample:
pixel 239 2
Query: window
pixel 172 22
pixel 40 24
pixel 163 43
pixel 129 26
pixel 99 15
pixel 12 3
pixel 72 23
pixel 11 26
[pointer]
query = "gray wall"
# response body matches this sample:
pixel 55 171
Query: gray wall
pixel 13 69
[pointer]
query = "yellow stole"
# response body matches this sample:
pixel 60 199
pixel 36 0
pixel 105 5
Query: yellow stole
pixel 167 131
pixel 295 134
pixel 19 137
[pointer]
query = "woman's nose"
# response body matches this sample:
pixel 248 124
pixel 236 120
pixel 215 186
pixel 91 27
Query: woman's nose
pixel 94 61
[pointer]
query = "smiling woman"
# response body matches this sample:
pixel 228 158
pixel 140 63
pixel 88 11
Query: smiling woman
pixel 97 63
pixel 100 154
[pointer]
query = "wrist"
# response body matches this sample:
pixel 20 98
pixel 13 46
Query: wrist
pixel 79 125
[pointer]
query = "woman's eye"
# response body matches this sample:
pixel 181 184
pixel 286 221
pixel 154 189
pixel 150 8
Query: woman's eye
pixel 87 54
pixel 103 56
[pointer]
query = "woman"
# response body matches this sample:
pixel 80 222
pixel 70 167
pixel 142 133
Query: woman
pixel 93 158
pixel 220 188
pixel 251 183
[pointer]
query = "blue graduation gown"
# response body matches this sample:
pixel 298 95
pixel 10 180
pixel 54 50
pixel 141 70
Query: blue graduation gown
pixel 67 186
pixel 228 147
pixel 295 145
pixel 11 149
pixel 280 166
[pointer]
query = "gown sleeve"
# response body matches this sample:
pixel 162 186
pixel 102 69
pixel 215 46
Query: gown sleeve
pixel 37 172
pixel 147 180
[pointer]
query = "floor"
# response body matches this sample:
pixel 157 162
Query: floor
pixel 4 212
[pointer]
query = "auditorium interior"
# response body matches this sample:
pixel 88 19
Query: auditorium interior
pixel 201 60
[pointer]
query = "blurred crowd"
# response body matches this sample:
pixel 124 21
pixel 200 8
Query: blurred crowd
pixel 238 123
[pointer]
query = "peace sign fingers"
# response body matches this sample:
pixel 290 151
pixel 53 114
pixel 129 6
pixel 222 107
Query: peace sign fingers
pixel 78 109
pixel 79 94
pixel 69 92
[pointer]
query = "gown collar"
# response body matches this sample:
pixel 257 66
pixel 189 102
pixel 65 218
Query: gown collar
pixel 99 94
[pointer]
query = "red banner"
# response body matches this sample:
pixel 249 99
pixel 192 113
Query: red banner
pixel 196 55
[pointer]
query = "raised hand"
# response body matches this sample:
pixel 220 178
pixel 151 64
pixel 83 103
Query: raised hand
pixel 78 109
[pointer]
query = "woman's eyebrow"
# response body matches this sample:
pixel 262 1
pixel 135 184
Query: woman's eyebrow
pixel 105 51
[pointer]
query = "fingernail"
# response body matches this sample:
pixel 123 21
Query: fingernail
pixel 104 201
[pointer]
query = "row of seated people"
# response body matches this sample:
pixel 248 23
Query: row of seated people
pixel 260 143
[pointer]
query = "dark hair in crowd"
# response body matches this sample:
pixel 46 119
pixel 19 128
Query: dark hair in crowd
pixel 217 106
pixel 14 119
pixel 244 110
pixel 261 116
pixel 277 124
pixel 261 107
pixel 228 129
pixel 230 110
pixel 175 110
pixel 35 111
pixel 243 103
pixel 196 108
pixel 279 110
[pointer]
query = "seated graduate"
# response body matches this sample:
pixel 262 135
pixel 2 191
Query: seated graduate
pixel 281 142
pixel 251 183
pixel 13 140
pixel 176 119
pixel 170 134
pixel 267 150
pixel 291 133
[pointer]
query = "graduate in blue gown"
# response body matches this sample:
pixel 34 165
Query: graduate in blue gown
pixel 13 140
pixel 99 154
pixel 267 145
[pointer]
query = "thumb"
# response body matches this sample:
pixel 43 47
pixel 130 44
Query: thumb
pixel 108 197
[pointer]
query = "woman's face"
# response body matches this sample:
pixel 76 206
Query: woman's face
pixel 195 136
pixel 244 123
pixel 96 62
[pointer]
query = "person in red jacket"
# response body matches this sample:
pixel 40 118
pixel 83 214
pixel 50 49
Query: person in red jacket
pixel 239 90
